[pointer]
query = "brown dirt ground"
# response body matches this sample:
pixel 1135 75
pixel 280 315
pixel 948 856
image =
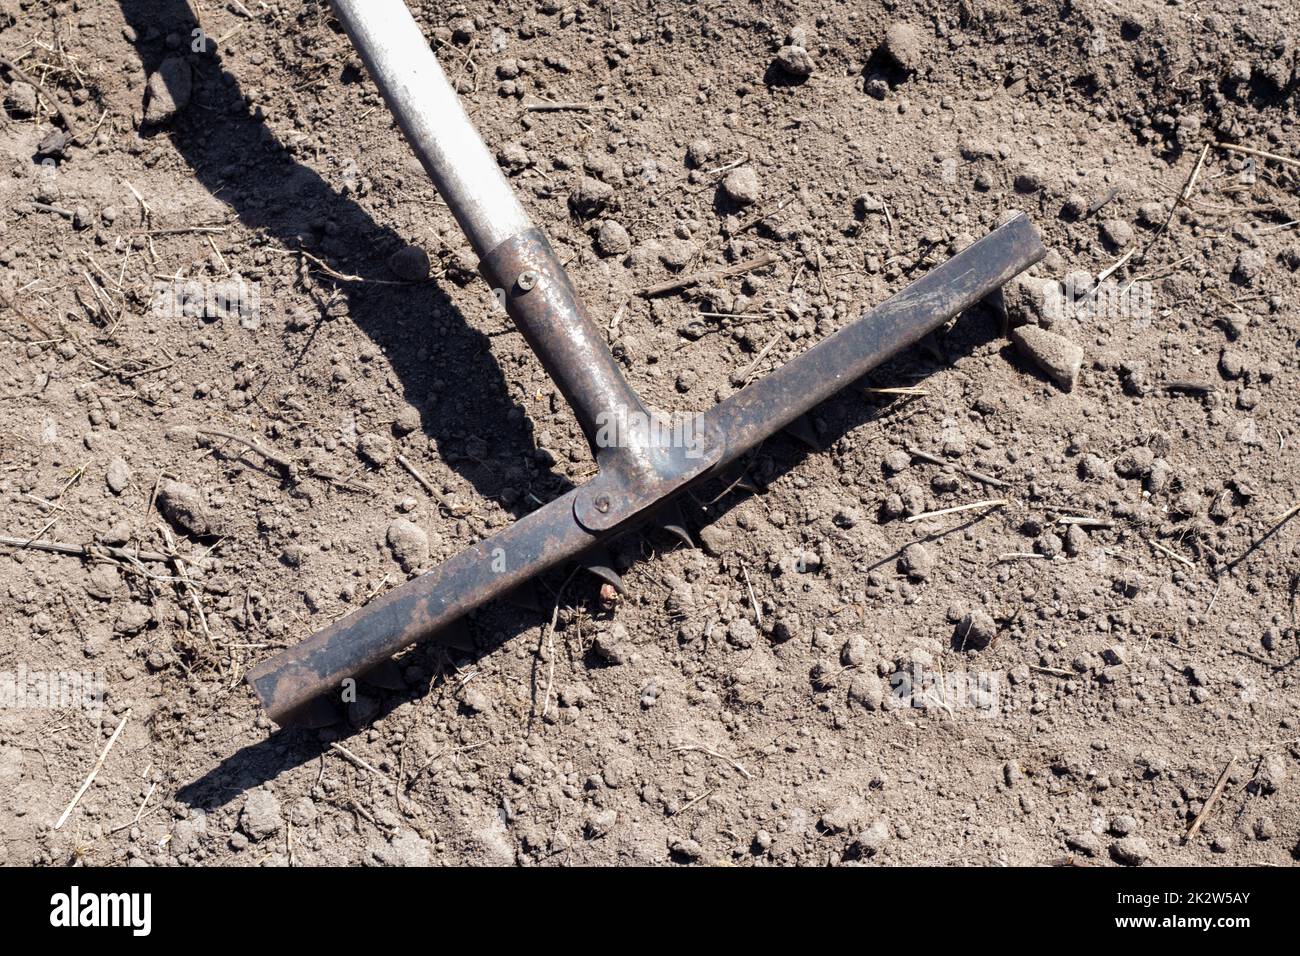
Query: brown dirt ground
pixel 1132 661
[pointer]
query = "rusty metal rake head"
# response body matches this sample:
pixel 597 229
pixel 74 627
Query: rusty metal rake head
pixel 642 464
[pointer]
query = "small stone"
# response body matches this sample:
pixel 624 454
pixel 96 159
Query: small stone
pixel 612 239
pixel 188 833
pixel 118 475
pixel 1034 300
pixel 846 517
pixel 916 562
pixel 1265 828
pixel 409 544
pixel 1028 180
pixel 677 253
pixel 1272 773
pixel 1123 825
pixel 617 772
pixel 1250 265
pixel 867 691
pixel 1131 851
pixel 794 62
pixel 600 823
pixel 407 848
pixel 410 264
pixel 407 420
pixel 54 145
pixel 700 152
pixel 1135 463
pixel 842 817
pixel 1232 364
pixel 1058 357
pixel 590 196
pixel 261 815
pixel 303 812
pixel 1116 233
pixel 824 674
pixel 375 449
pixel 741 633
pixel 103 582
pixel 715 539
pixel 902 45
pixel 183 506
pixel 135 617
pixel 1075 540
pixel 855 652
pixel 1152 214
pixel 785 628
pixel 1087 843
pixel 613 646
pixel 1116 654
pixel 1160 477
pixel 1074 207
pixel 649 695
pixel 1049 544
pixel 896 461
pixel 873 839
pixel 686 849
pixel 976 630
pixel 513 158
pixel 1223 506
pixel 168 91
pixel 21 99
pixel 741 186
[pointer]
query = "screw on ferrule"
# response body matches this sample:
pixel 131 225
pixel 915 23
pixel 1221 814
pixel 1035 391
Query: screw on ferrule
pixel 526 280
pixel 602 504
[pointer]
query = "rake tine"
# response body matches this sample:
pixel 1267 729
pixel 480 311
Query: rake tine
pixel 599 563
pixel 385 675
pixel 524 596
pixel 802 429
pixel 672 520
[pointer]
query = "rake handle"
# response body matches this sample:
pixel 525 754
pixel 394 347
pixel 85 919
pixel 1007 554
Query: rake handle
pixel 429 112
pixel 514 256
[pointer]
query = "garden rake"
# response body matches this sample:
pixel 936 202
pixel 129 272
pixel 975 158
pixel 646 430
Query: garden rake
pixel 641 467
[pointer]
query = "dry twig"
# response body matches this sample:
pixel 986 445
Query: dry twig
pixel 94 771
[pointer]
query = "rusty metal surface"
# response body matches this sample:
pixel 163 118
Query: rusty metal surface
pixel 780 397
pixel 421 607
pixel 547 310
pixel 634 485
pixel 646 470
